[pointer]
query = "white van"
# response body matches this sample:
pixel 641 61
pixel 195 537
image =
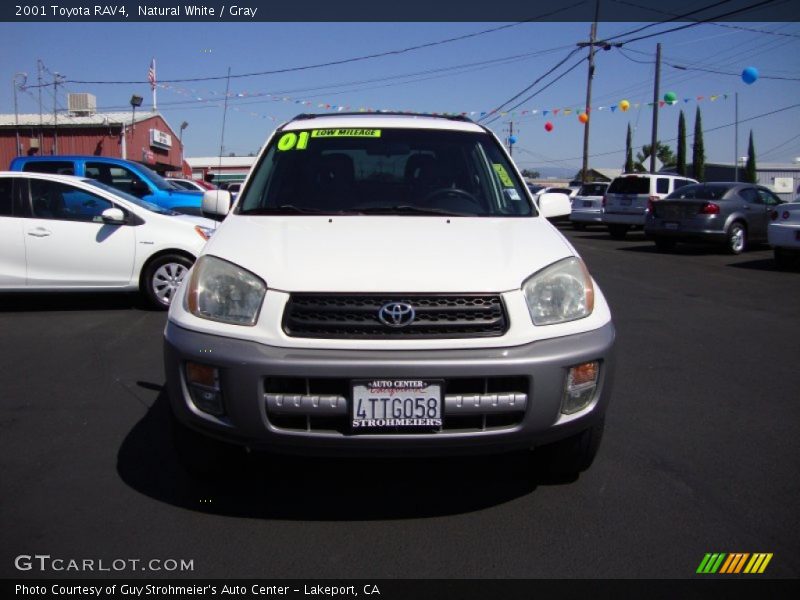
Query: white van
pixel 626 201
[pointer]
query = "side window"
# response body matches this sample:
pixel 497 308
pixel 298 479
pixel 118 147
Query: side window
pixel 58 167
pixel 6 196
pixel 750 195
pixel 662 185
pixel 679 183
pixel 53 200
pixel 768 197
pixel 115 176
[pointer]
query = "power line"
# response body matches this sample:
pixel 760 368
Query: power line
pixel 518 94
pixel 344 60
pixel 726 25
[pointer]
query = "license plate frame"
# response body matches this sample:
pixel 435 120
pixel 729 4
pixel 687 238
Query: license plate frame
pixel 671 225
pixel 393 404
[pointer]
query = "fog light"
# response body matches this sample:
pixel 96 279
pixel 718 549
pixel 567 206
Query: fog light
pixel 203 384
pixel 580 388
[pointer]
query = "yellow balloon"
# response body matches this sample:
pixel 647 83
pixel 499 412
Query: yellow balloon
pixel 624 105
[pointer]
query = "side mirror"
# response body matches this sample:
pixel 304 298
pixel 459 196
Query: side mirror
pixel 554 204
pixel 216 202
pixel 113 216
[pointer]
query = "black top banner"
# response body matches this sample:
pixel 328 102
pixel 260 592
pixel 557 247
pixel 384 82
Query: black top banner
pixel 405 11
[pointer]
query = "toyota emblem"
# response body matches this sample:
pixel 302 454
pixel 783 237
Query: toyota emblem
pixel 396 314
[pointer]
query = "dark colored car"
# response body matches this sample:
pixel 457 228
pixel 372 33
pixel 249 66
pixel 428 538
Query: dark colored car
pixel 731 214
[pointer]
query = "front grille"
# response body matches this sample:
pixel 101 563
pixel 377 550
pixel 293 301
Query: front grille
pixel 325 404
pixel 345 316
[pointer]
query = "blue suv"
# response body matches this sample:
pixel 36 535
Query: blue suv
pixel 124 175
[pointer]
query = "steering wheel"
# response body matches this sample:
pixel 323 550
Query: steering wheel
pixel 452 191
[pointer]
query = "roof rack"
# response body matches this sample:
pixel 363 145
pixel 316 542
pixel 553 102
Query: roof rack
pixel 464 118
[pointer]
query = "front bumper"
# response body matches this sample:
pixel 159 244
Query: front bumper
pixel 245 368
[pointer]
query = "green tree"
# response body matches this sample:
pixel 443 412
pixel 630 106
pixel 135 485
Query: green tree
pixel 698 150
pixel 750 168
pixel 628 151
pixel 680 165
pixel 663 153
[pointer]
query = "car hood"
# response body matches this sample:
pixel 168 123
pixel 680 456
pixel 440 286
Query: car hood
pixel 195 220
pixel 389 253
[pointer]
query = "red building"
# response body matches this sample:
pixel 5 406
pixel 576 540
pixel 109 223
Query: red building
pixel 147 138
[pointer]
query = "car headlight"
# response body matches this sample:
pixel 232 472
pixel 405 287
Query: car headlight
pixel 221 291
pixel 559 293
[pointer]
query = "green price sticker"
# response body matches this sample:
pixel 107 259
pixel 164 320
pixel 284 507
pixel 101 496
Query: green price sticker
pixel 503 175
pixel 323 133
pixel 293 141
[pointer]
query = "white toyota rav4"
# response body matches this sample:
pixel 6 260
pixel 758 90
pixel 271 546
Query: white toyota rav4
pixel 385 284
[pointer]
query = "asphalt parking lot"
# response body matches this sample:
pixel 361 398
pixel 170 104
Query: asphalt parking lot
pixel 701 453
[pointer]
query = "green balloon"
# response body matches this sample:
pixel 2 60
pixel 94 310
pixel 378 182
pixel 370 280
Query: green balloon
pixel 670 98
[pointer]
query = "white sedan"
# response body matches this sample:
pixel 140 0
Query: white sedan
pixel 64 233
pixel 784 233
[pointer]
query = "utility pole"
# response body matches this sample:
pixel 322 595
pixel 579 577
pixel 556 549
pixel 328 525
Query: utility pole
pixel 41 118
pixel 590 76
pixel 55 113
pixel 24 76
pixel 654 138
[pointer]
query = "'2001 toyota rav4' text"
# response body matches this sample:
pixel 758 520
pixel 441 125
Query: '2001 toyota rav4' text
pixel 386 284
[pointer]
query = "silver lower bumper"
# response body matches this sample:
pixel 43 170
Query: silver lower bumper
pixel 245 368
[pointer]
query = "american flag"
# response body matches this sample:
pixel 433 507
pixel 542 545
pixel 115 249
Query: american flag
pixel 151 74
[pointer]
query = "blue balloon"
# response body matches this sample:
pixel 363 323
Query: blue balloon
pixel 512 139
pixel 749 75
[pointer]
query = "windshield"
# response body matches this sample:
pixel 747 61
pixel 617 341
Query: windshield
pixel 155 178
pixel 388 172
pixel 130 198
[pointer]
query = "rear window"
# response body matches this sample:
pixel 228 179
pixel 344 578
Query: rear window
pixel 385 171
pixel 59 167
pixel 630 185
pixel 700 192
pixel 593 189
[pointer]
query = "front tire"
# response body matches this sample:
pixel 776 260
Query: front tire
pixel 162 277
pixel 570 456
pixel 618 232
pixel 736 240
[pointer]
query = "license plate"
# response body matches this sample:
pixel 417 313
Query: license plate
pixel 587 204
pixel 396 404
pixel 625 201
pixel 670 225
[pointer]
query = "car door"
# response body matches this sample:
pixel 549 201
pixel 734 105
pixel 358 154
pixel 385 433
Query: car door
pixel 770 201
pixel 122 178
pixel 67 243
pixel 12 242
pixel 755 213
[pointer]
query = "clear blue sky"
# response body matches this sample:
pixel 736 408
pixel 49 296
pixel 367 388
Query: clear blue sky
pixel 122 51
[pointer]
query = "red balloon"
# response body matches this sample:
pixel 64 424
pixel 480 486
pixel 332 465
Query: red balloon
pixel 548 126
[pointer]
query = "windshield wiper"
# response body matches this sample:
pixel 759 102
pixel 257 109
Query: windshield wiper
pixel 409 210
pixel 287 209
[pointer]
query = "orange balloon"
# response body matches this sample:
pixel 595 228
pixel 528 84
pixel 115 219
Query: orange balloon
pixel 583 117
pixel 624 105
